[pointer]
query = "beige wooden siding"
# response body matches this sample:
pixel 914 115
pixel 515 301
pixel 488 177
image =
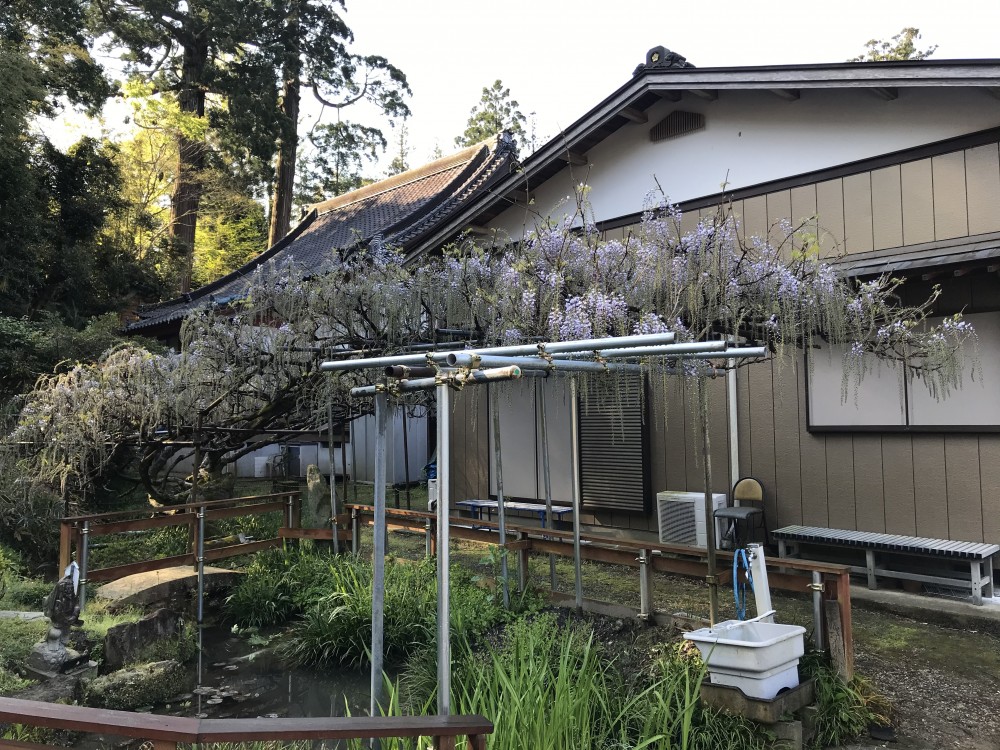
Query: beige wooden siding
pixel 982 176
pixel 887 208
pixel 858 213
pixel 470 465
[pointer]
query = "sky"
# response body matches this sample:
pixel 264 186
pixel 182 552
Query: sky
pixel 561 57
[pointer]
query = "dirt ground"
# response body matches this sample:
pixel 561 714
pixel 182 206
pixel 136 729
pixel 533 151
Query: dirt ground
pixel 943 681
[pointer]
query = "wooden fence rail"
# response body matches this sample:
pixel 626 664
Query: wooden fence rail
pixel 76 532
pixel 785 574
pixel 166 732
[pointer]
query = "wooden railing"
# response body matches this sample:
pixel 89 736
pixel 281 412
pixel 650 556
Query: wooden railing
pixel 785 574
pixel 76 532
pixel 166 732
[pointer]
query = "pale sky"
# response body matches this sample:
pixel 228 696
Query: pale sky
pixel 561 57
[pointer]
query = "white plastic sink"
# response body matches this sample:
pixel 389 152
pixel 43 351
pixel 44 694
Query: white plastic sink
pixel 760 658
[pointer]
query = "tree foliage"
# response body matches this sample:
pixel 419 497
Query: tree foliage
pixel 253 365
pixel 901 47
pixel 496 112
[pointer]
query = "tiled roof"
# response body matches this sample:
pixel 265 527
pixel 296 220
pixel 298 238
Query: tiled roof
pixel 401 208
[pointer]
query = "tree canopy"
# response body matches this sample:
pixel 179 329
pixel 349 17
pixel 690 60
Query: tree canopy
pixel 495 112
pixel 901 47
pixel 254 366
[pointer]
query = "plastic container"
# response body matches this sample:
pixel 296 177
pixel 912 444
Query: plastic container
pixel 760 658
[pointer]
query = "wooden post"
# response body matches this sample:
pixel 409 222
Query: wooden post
pixel 65 547
pixel 838 625
pixel 522 563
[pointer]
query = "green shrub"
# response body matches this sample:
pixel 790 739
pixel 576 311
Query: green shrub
pixel 11 682
pixel 26 593
pixel 133 546
pixel 845 709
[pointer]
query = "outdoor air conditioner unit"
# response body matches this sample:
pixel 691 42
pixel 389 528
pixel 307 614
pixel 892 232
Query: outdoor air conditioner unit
pixel 681 516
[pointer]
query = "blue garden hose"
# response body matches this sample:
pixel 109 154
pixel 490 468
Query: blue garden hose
pixel 741 562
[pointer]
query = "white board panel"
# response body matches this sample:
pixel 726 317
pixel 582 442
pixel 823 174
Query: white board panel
pixel 877 401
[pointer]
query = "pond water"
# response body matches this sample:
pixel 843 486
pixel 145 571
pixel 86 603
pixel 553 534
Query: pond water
pixel 236 679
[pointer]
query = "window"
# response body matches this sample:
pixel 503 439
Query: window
pixel 886 403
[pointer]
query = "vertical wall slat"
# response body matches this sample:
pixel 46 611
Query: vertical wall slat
pixel 869 499
pixel 965 503
pixel 982 174
pixel 840 481
pixel 656 414
pixel 743 420
pixel 718 421
pixel 812 458
pixel 951 213
pixel 858 213
pixel 779 209
pixel 830 216
pixel 676 438
pixel 788 475
pixel 989 483
pixel 887 208
pixel 762 433
pixel 755 216
pixel 930 487
pixel 897 480
pixel 918 202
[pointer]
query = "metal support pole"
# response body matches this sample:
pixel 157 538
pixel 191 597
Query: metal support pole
pixel 333 477
pixel 734 431
pixel 645 586
pixel 501 509
pixel 84 554
pixel 443 551
pixel 354 469
pixel 817 589
pixel 406 456
pixel 575 438
pixel 709 510
pixel 378 555
pixel 546 476
pixel 200 560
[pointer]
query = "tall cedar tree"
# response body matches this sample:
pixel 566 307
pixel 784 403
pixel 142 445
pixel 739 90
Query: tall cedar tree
pixel 314 54
pixel 495 112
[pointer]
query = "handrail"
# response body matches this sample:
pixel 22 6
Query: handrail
pixel 174 508
pixel 176 729
pixel 538 532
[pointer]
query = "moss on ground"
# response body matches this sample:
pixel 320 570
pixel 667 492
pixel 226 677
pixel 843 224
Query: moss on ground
pixel 136 686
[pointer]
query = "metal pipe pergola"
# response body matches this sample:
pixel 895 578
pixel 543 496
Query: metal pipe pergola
pixel 456 369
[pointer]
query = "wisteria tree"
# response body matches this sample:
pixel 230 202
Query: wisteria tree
pixel 252 366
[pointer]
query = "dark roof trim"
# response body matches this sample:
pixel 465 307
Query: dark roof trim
pixel 915 153
pixel 205 291
pixel 960 250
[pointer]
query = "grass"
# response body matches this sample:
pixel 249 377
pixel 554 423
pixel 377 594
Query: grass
pixel 17 637
pixel 844 709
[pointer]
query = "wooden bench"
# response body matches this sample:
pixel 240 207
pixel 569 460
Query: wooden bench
pixel 961 565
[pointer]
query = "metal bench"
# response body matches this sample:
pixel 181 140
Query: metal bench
pixel 888 556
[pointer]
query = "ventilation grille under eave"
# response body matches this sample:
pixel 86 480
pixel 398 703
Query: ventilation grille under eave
pixel 675 124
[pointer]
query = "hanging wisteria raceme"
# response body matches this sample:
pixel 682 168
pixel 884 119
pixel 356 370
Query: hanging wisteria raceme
pixel 252 364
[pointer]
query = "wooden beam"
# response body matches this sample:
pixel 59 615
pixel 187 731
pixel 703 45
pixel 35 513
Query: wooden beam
pixel 886 93
pixel 634 114
pixel 931 275
pixel 671 95
pixel 575 158
pixel 962 271
pixel 789 95
pixel 519 196
pixel 709 95
pixel 479 231
pixel 993 91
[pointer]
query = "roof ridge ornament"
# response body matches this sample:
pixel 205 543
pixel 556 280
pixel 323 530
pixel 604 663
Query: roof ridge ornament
pixel 660 57
pixel 506 144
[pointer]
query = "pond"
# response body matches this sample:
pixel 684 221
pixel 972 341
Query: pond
pixel 233 678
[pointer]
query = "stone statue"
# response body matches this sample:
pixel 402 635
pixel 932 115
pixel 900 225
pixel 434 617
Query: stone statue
pixel 62 607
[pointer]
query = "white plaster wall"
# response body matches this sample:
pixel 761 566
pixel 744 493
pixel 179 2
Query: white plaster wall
pixel 752 137
pixel 363 436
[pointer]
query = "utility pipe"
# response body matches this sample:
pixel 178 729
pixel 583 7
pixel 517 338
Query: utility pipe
pixel 458 378
pixel 402 372
pixel 582 345
pixel 444 550
pixel 333 476
pixel 464 359
pixel 501 509
pixel 687 348
pixel 378 556
pixel 574 431
pixel 546 477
